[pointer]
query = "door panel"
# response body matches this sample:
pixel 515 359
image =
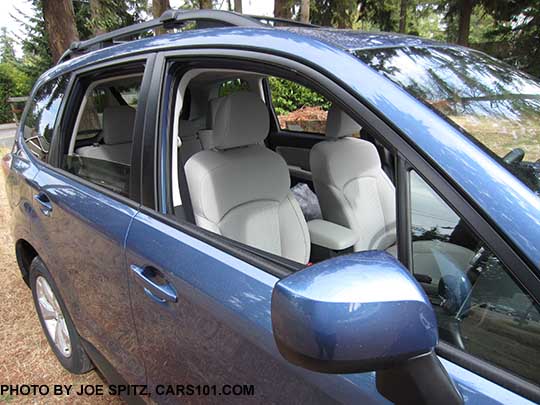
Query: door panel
pixel 219 330
pixel 81 240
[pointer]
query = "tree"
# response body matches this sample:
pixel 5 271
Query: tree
pixel 336 13
pixel 403 16
pixel 238 6
pixel 7 51
pixel 464 22
pixel 97 13
pixel 60 24
pixel 304 11
pixel 108 15
pixel 158 8
pixel 205 4
pixel 283 9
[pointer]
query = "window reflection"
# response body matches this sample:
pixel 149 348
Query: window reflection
pixel 497 105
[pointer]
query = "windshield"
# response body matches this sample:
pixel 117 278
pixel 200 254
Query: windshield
pixel 496 104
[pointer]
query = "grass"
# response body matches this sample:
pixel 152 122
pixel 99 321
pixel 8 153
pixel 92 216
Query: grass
pixel 25 356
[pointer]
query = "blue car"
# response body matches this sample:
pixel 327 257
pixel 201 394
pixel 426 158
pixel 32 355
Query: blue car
pixel 195 232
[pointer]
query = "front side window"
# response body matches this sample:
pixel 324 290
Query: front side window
pixel 297 107
pixel 41 117
pixel 494 103
pixel 481 308
pixel 101 140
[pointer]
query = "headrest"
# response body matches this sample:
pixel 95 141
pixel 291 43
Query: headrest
pixel 339 124
pixel 118 124
pixel 241 119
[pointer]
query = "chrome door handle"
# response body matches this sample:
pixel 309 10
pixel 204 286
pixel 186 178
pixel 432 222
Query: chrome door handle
pixel 145 276
pixel 44 202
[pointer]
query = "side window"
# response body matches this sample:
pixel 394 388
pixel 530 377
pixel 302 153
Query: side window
pixel 101 140
pixel 42 114
pixel 480 307
pixel 297 107
pixel 231 86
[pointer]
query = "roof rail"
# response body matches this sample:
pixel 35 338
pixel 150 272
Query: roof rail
pixel 204 18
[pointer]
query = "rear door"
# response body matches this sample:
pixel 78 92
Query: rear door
pixel 84 204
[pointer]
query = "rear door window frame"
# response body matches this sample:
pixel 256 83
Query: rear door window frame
pixel 71 109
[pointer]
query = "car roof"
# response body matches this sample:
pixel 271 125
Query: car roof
pixel 351 40
pixel 346 40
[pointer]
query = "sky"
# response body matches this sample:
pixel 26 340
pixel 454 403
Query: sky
pixel 256 7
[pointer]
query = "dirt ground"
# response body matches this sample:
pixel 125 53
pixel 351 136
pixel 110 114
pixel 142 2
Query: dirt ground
pixel 25 356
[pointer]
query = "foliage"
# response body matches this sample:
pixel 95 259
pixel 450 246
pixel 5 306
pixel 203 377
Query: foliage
pixel 113 14
pixel 13 82
pixel 35 44
pixel 288 96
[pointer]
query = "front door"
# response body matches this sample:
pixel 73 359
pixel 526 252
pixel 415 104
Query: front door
pixel 203 319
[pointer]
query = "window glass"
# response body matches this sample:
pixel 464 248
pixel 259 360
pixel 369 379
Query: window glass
pixel 480 307
pixel 42 114
pixel 297 107
pixel 493 102
pixel 100 149
pixel 232 86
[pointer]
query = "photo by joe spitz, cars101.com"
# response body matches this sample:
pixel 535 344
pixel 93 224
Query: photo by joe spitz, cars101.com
pixel 191 244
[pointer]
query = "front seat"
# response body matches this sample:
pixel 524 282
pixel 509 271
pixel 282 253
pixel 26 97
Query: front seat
pixel 118 122
pixel 240 188
pixel 352 188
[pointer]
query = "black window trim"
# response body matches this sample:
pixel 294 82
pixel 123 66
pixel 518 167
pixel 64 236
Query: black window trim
pixel 390 135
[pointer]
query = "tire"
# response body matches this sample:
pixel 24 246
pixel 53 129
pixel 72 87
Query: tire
pixel 54 316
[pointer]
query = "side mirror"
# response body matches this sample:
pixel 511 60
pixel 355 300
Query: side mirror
pixel 357 313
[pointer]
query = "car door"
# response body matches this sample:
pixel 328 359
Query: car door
pixel 203 318
pixel 83 208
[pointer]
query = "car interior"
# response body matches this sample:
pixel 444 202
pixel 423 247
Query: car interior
pixel 236 172
pixel 246 189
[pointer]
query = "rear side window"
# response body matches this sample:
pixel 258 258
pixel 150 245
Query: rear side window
pixel 101 139
pixel 42 115
pixel 298 108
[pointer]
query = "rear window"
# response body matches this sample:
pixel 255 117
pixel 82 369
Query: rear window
pixel 42 114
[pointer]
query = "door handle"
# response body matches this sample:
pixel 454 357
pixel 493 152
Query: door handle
pixel 154 284
pixel 44 202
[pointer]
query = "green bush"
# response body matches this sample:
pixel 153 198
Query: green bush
pixel 288 96
pixel 13 82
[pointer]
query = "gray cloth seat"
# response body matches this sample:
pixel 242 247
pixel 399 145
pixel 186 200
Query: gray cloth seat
pixel 352 188
pixel 240 189
pixel 118 122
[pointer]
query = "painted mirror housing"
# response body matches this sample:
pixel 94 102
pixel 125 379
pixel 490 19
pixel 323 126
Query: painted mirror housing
pixel 354 313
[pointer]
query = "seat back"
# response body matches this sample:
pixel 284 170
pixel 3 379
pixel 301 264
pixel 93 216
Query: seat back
pixel 118 122
pixel 240 189
pixel 352 188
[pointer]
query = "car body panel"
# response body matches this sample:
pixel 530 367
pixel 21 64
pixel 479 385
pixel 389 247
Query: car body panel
pixel 220 330
pixel 82 244
pixel 19 192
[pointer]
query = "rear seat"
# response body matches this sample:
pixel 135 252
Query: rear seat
pixel 117 134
